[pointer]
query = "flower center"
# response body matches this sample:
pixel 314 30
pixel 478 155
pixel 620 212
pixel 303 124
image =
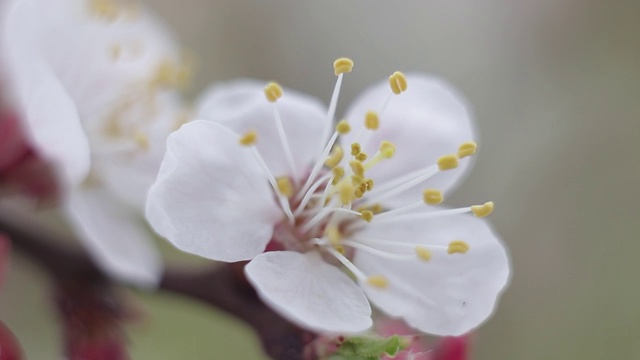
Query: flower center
pixel 337 200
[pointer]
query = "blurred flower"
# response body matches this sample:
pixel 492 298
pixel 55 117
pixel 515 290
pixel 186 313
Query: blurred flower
pixel 253 173
pixel 95 84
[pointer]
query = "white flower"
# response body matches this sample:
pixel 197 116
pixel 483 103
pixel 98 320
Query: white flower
pixel 94 81
pixel 252 174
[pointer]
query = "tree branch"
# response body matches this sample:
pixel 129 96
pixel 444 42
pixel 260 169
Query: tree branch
pixel 222 287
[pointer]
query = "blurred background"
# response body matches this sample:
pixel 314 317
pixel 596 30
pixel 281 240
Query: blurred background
pixel 555 87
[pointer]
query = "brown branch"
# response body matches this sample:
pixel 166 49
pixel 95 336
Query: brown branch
pixel 222 287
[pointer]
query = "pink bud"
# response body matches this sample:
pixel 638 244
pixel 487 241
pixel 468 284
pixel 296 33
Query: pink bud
pixel 452 348
pixel 9 348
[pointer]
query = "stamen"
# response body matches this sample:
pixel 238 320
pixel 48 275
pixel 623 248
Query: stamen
pixel 423 253
pixel 378 281
pixel 318 164
pixel 284 203
pixel 249 138
pixel 338 174
pixel 311 191
pixel 396 187
pixel 142 140
pixel 398 82
pixel 432 196
pixel 285 186
pixel 386 151
pixel 355 149
pixel 348 264
pixel 345 190
pixel 342 65
pixel 397 216
pixel 357 168
pixel 106 9
pixel 458 246
pixel 273 92
pixel 323 213
pixel 467 149
pixel 366 215
pixel 377 252
pixel 371 120
pixel 343 127
pixel 335 158
pixel 361 157
pixel 170 74
pixel 448 162
pixel 334 235
pixel 482 210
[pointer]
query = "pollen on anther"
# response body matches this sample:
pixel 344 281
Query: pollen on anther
pixel 482 210
pixel 371 120
pixel 361 157
pixel 378 281
pixel 369 183
pixel 458 246
pixel 432 196
pixel 273 92
pixel 366 215
pixel 343 127
pixel 448 162
pixel 250 138
pixel 355 149
pixel 338 174
pixel 333 234
pixel 387 149
pixel 285 186
pixel 398 82
pixel 467 149
pixel 423 253
pixel 342 65
pixel 335 158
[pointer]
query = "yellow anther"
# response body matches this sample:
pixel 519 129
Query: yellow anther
pixel 340 249
pixel 423 253
pixel 355 149
pixel 376 208
pixel 338 174
pixel 357 168
pixel 361 157
pixel 369 183
pixel 458 246
pixel 398 82
pixel 343 127
pixel 250 138
pixel 366 215
pixel 285 186
pixel 273 91
pixel 142 140
pixel 333 234
pixel 334 159
pixel 172 74
pixel 345 191
pixel 482 210
pixel 432 196
pixel 378 281
pixel 371 120
pixel 467 149
pixel 106 9
pixel 448 162
pixel 387 149
pixel 342 65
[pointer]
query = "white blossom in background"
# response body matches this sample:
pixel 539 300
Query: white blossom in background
pixel 95 83
pixel 347 219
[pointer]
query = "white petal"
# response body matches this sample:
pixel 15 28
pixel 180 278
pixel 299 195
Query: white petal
pixel 115 235
pixel 211 197
pixel 241 106
pixel 53 125
pixel 427 121
pixel 450 294
pixel 309 292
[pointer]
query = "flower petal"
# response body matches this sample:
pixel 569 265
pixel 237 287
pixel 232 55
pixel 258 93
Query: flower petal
pixel 309 292
pixel 241 106
pixel 53 127
pixel 115 235
pixel 427 121
pixel 449 294
pixel 211 197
